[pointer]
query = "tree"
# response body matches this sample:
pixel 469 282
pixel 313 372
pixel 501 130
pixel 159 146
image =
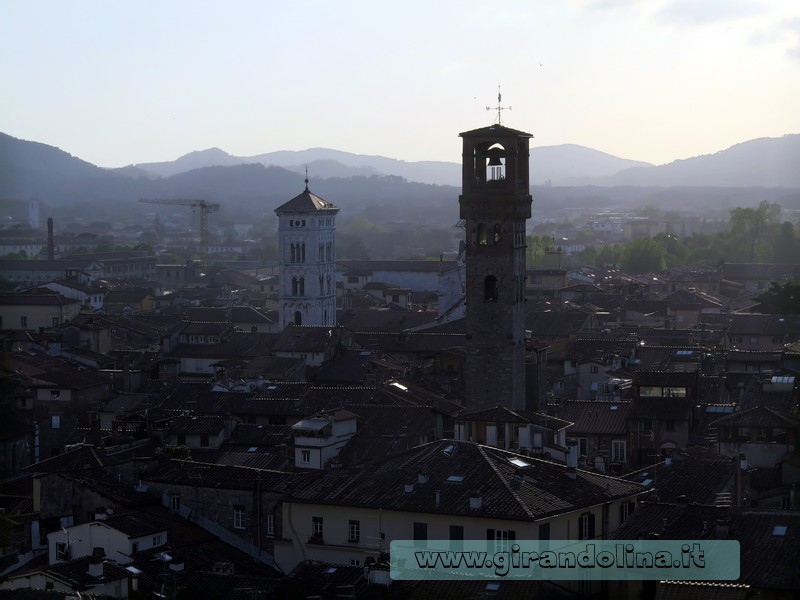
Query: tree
pixel 780 299
pixel 644 255
pixel 538 245
pixel 750 230
pixel 786 245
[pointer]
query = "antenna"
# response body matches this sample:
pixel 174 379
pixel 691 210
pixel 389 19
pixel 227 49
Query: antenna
pixel 306 177
pixel 499 108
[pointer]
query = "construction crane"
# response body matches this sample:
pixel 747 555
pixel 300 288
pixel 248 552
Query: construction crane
pixel 205 207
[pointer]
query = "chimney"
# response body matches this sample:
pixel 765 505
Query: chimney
pixel 422 476
pixel 572 456
pixel 96 562
pixel 571 473
pixel 51 246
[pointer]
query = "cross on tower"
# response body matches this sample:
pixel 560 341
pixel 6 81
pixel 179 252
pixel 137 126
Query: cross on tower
pixel 499 108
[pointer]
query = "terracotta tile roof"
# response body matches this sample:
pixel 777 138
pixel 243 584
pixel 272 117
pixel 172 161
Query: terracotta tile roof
pixel 702 590
pixel 595 417
pixel 759 416
pixel 197 425
pixel 459 471
pixel 231 477
pixel 306 202
pixel 414 266
pixel 769 557
pixel 313 579
pixel 697 477
pixel 503 414
pixel 364 319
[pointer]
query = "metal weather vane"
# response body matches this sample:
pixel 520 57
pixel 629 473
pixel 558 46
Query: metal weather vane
pixel 499 108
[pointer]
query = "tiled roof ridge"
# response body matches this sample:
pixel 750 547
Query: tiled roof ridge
pixel 506 483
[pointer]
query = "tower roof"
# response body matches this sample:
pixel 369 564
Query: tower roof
pixel 495 130
pixel 306 202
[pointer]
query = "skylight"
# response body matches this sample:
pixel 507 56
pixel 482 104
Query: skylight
pixel 448 451
pixel 614 407
pixel 518 462
pixel 780 530
pixel 492 586
pixel 252 448
pixel 455 479
pixel 399 386
pixel 647 482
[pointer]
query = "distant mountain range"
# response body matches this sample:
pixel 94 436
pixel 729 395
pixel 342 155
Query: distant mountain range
pixel 553 164
pixel 35 170
pixel 764 162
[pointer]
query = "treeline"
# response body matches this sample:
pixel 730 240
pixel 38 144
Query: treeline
pixel 754 235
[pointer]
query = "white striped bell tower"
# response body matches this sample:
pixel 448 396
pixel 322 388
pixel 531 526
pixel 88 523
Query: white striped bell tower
pixel 307 246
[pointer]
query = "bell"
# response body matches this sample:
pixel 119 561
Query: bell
pixel 494 157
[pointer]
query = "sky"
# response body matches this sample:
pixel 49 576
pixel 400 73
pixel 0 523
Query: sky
pixel 136 81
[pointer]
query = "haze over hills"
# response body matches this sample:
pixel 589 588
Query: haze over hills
pixel 556 164
pixel 764 162
pixel 247 186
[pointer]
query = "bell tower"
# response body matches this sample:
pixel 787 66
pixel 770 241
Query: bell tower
pixel 306 243
pixel 495 203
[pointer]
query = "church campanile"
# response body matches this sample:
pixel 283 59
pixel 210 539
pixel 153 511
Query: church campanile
pixel 495 204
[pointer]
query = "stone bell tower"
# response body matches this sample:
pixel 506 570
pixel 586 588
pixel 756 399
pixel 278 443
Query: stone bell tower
pixel 307 247
pixel 495 204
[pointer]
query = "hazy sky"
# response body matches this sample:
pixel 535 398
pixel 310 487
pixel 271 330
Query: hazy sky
pixel 120 82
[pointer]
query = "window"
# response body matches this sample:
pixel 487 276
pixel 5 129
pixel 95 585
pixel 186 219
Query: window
pixel 482 237
pixel 498 235
pixel 204 440
pixel 305 456
pixel 586 526
pixel 238 517
pixel 594 369
pixel 457 533
pixel 62 551
pixel 625 510
pixel 23 322
pixel 544 531
pixel 271 525
pixel 181 439
pixel 420 532
pixel 55 422
pixel 55 394
pixel 158 540
pixel 583 447
pixel 355 531
pixel 316 527
pixel 175 502
pixel 134 547
pixel 351 279
pixel 502 539
pixel 618 451
pixel 490 289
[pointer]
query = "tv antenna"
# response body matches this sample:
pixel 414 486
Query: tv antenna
pixel 499 108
